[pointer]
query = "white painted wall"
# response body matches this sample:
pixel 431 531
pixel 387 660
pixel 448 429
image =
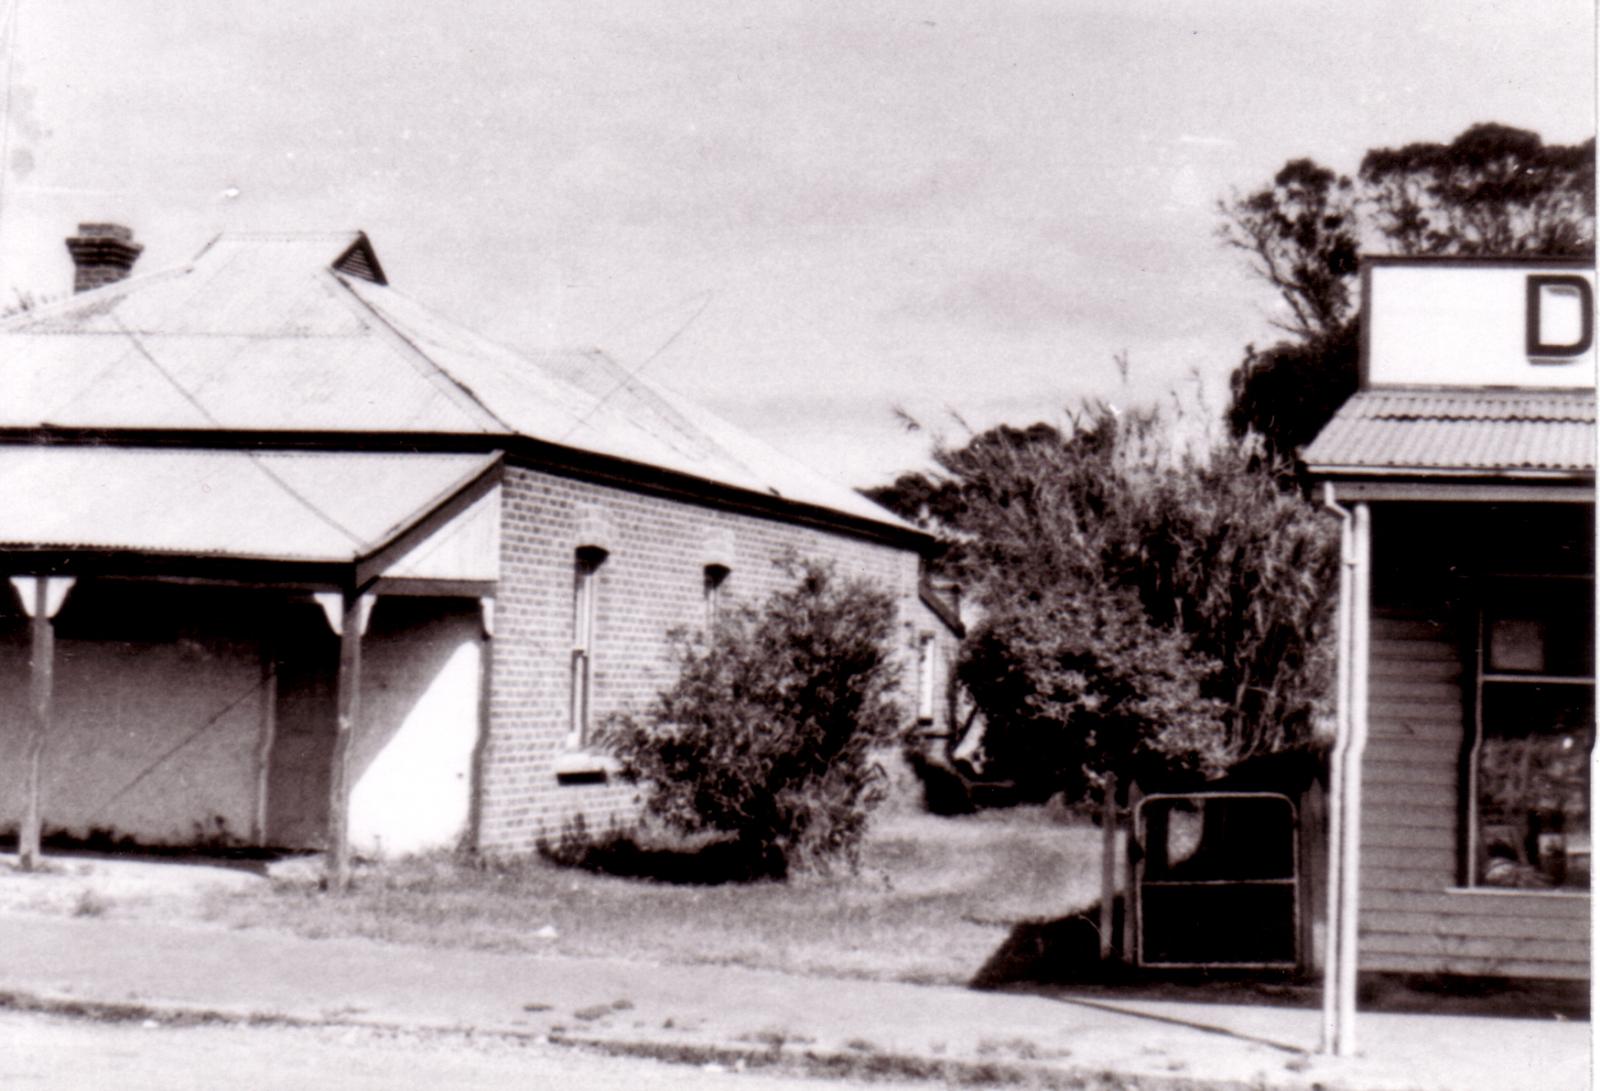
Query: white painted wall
pixel 411 764
pixel 1445 324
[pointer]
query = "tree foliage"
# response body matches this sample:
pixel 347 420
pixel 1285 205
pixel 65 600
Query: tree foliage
pixel 1287 392
pixel 1142 612
pixel 1301 235
pixel 767 734
pixel 1492 190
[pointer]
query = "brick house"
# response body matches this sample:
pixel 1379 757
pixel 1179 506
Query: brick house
pixel 297 563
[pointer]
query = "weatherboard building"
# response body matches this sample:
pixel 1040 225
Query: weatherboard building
pixel 294 563
pixel 1463 469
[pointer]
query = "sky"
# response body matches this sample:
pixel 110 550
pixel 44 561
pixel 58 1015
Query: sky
pixel 816 218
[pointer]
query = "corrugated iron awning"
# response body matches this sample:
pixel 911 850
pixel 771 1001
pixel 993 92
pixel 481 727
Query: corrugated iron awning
pixel 1483 432
pixel 306 506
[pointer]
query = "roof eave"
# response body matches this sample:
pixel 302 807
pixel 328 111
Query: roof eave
pixel 1423 484
pixel 676 484
pixel 1492 473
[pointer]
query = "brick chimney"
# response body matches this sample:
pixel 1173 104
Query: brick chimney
pixel 103 253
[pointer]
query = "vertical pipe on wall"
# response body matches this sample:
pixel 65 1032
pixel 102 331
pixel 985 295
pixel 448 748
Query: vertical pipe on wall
pixel 1333 954
pixel 1360 670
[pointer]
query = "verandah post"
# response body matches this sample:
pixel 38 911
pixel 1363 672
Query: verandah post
pixel 42 597
pixel 352 612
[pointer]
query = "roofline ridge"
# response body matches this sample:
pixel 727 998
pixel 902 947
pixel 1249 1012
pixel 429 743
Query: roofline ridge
pixel 677 402
pixel 432 369
pixel 347 234
pixel 665 402
pixel 104 291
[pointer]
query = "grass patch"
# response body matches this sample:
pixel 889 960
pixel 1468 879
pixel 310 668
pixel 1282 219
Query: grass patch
pixel 932 901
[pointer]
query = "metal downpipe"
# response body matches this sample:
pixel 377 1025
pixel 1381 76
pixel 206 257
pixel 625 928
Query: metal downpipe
pixel 1333 955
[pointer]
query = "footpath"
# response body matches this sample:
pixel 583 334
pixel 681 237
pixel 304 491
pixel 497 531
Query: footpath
pixel 110 968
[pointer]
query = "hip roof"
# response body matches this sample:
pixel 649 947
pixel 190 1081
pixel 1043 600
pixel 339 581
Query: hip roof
pixel 301 334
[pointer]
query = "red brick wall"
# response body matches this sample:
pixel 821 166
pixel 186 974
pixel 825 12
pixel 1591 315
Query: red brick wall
pixel 652 580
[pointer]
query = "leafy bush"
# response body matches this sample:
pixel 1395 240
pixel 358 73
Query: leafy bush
pixel 1144 611
pixel 766 736
pixel 1079 684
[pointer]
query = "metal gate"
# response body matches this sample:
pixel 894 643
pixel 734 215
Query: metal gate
pixel 1216 881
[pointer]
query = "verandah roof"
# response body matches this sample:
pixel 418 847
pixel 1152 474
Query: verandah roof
pixel 1482 432
pixel 298 506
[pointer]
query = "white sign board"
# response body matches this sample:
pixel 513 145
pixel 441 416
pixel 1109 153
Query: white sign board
pixel 1491 323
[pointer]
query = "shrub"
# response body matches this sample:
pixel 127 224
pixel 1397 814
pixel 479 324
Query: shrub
pixel 1144 611
pixel 1081 684
pixel 767 735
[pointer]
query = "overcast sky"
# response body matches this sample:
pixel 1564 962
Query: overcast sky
pixel 803 214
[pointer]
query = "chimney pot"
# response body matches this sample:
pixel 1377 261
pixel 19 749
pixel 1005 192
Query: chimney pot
pixel 103 253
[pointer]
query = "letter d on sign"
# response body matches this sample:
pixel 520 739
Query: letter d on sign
pixel 1560 317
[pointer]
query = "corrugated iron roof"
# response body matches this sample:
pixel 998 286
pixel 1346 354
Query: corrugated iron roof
pixel 279 505
pixel 585 400
pixel 260 333
pixel 1479 431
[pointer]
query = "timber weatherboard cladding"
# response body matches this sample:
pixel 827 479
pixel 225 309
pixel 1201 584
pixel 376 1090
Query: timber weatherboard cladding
pixel 1415 916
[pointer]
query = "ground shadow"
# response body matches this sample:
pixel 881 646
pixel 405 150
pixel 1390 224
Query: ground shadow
pixel 712 863
pixel 1060 956
pixel 107 844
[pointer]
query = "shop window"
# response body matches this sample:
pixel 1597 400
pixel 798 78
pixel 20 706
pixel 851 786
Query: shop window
pixel 715 576
pixel 1528 798
pixel 585 591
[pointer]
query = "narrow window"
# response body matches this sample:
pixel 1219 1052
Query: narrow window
pixel 1528 799
pixel 716 576
pixel 925 680
pixel 584 587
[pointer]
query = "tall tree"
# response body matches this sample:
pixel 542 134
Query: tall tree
pixel 1300 233
pixel 1493 189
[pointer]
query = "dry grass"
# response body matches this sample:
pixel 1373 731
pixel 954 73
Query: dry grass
pixel 933 900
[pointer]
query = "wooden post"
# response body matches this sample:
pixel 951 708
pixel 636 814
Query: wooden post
pixel 480 747
pixel 355 609
pixel 266 736
pixel 1108 867
pixel 41 597
pixel 1128 934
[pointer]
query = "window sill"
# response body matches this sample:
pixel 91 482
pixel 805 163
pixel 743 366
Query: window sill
pixel 1516 891
pixel 584 767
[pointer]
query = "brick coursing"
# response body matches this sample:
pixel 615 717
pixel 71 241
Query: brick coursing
pixel 651 581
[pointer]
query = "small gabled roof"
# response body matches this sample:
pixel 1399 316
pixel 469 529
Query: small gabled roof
pixel 301 334
pixel 1482 432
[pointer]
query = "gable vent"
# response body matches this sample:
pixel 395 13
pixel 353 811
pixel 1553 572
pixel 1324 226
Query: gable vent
pixel 360 262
